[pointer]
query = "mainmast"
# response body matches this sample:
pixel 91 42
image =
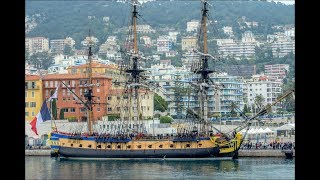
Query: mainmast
pixel 135 72
pixel 204 70
pixel 88 95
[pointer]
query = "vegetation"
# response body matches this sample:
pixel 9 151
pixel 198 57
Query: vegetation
pixel 113 117
pixel 166 119
pixel 75 18
pixel 159 103
pixel 40 60
pixel 61 116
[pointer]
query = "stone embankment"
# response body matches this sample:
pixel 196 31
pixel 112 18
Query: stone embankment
pixel 242 153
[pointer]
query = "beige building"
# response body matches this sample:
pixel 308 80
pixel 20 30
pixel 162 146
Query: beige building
pixel 36 44
pixel 188 43
pixel 119 103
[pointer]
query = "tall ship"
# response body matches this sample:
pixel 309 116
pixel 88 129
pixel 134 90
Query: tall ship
pixel 198 140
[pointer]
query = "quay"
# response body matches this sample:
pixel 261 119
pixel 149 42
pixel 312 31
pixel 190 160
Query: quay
pixel 242 152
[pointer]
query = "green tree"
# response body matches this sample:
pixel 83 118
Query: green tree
pixel 113 117
pixel 41 60
pixel 166 119
pixel 61 116
pixel 233 106
pixel 54 108
pixel 259 101
pixel 68 50
pixel 159 103
pixel 246 109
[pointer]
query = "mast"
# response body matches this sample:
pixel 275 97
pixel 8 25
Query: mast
pixel 134 71
pixel 204 70
pixel 88 94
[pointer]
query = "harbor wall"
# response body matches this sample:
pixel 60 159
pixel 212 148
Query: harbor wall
pixel 242 153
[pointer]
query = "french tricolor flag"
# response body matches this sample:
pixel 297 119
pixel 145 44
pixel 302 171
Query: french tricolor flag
pixel 42 116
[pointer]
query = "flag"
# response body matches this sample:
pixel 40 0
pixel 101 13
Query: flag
pixel 55 94
pixel 42 116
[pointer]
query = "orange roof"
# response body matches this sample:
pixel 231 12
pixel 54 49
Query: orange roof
pixel 72 76
pixel 95 65
pixel 31 77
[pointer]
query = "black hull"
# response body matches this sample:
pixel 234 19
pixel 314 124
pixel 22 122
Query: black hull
pixel 233 154
pixel 162 153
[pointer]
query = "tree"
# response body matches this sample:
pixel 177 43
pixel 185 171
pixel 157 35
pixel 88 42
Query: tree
pixel 233 106
pixel 68 50
pixel 41 60
pixel 259 101
pixel 166 119
pixel 159 103
pixel 61 116
pixel 246 109
pixel 113 117
pixel 54 108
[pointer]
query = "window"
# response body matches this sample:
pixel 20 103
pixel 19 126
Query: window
pixel 98 89
pixel 118 108
pixel 32 113
pixel 26 94
pixel 46 84
pixel 32 104
pixel 82 109
pixel 72 110
pixel 32 94
pixel 73 83
pixel 26 85
pixel 26 104
pixel 118 97
pixel 109 109
pixel 55 83
pixel 51 83
pixel 98 98
pixel 98 109
pixel 33 85
pixel 26 113
pixel 109 97
pixel 66 110
pixel 98 81
pixel 63 92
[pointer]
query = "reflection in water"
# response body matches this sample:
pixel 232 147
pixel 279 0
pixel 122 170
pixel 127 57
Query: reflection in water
pixel 249 168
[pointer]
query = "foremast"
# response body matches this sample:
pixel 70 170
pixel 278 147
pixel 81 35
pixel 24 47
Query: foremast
pixel 134 72
pixel 204 71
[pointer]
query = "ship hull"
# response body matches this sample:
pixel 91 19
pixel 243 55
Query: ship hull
pixel 159 153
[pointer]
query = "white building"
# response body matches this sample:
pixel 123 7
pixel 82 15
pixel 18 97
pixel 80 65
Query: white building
pixel 147 40
pixel 144 28
pixel 192 25
pixel 276 71
pixel 163 44
pixel 36 44
pixel 229 47
pixel 290 32
pixel 261 85
pixel 228 30
pixel 248 37
pixel 173 36
pixel 93 39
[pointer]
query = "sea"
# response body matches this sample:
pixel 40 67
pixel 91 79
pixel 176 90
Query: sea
pixel 44 167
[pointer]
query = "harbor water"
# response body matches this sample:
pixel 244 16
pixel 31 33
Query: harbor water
pixel 44 167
